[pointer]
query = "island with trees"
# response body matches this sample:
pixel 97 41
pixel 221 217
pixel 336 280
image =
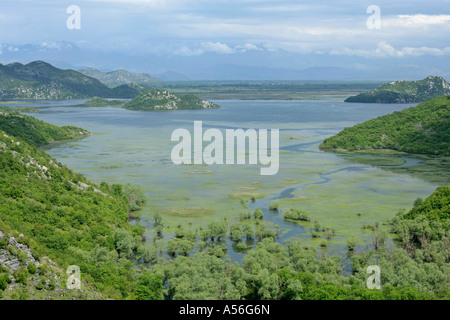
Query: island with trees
pixel 102 102
pixel 161 100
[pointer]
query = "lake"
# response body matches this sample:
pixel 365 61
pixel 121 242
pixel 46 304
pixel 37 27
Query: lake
pixel 135 146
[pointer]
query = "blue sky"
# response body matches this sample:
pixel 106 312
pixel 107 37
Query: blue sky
pixel 196 37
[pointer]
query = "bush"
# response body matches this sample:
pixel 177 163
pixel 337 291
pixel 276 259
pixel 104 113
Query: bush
pixel 241 245
pixel 3 281
pixel 3 244
pixel 258 214
pixel 295 214
pixel 21 276
pixel 273 206
pixel 41 270
pixel 31 268
pixel 40 285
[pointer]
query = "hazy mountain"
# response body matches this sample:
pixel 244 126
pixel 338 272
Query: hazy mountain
pixel 120 77
pixel 242 72
pixel 172 76
pixel 251 65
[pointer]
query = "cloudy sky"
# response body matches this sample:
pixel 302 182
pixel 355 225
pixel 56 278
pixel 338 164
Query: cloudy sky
pixel 201 38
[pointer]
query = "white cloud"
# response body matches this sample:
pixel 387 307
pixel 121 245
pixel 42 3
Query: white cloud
pixel 384 49
pixel 416 20
pixel 51 45
pixel 217 47
pixel 246 47
pixel 185 51
pixel 147 2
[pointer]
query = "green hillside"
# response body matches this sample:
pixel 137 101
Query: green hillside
pixel 405 91
pixel 423 129
pixel 160 100
pixel 35 131
pixel 63 217
pixel 434 207
pixel 40 80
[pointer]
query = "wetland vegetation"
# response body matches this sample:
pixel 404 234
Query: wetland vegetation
pixel 307 233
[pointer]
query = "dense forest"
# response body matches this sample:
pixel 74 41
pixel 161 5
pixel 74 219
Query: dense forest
pixel 423 129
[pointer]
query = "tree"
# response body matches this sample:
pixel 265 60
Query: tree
pixel 378 238
pixel 258 214
pixel 179 246
pixel 180 233
pixel 135 195
pixel 31 268
pixel 217 230
pixel 3 281
pixel 124 242
pixel 236 232
pixel 248 231
pixel 158 219
pixel 149 287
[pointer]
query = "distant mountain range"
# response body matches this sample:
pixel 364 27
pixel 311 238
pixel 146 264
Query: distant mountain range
pixel 40 80
pixel 251 65
pixel 172 76
pixel 242 72
pixel 120 77
pixel 405 91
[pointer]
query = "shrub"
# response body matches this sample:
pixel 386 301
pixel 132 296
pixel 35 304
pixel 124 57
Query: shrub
pixel 3 281
pixel 273 206
pixel 31 268
pixel 258 214
pixel 3 244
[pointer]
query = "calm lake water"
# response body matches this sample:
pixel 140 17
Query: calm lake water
pixel 135 146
